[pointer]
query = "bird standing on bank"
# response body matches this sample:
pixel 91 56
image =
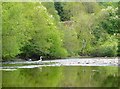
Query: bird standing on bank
pixel 40 59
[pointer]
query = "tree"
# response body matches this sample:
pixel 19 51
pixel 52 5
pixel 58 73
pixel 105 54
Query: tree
pixel 71 43
pixel 12 33
pixel 62 12
pixel 46 39
pixel 51 10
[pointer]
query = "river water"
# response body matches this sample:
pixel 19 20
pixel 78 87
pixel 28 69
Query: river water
pixel 60 76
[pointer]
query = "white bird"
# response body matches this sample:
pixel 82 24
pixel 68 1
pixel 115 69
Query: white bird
pixel 30 59
pixel 40 59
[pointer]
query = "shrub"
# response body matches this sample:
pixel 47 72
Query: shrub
pixel 108 49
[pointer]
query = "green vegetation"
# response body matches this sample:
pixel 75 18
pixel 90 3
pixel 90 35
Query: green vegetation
pixel 60 29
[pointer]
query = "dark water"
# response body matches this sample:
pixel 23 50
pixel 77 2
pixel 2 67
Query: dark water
pixel 75 76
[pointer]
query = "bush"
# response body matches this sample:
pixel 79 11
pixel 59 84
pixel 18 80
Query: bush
pixel 108 49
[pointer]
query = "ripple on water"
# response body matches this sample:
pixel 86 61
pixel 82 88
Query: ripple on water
pixel 8 69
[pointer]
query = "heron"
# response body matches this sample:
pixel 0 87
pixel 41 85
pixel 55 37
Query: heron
pixel 40 59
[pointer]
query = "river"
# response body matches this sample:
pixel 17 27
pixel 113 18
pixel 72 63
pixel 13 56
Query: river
pixel 55 75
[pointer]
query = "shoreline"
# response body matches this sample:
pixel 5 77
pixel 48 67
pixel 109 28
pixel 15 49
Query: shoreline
pixel 74 62
pixel 88 62
pixel 101 62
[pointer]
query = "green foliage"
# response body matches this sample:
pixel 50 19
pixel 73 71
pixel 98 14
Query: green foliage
pixel 0 30
pixel 13 30
pixel 107 25
pixel 110 23
pixel 62 12
pixel 46 39
pixel 51 10
pixel 10 47
pixel 104 51
pixel 70 40
pixel 83 28
pixel 59 29
pixel 31 32
pixel 118 34
pixel 109 48
pixel 118 46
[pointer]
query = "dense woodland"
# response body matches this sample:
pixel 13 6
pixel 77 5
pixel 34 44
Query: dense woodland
pixel 60 29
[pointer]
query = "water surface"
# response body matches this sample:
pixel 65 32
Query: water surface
pixel 61 76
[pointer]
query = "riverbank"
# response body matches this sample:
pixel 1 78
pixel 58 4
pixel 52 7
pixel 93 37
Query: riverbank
pixel 88 62
pixel 74 62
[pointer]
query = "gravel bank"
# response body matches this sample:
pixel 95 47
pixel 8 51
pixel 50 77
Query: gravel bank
pixel 74 62
pixel 87 62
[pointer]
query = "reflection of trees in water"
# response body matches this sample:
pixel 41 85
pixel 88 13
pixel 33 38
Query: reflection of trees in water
pixel 69 76
pixel 88 76
pixel 74 76
pixel 77 76
pixel 105 73
pixel 11 78
pixel 108 76
pixel 48 77
pixel 110 81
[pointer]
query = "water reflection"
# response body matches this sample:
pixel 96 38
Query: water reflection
pixel 75 76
